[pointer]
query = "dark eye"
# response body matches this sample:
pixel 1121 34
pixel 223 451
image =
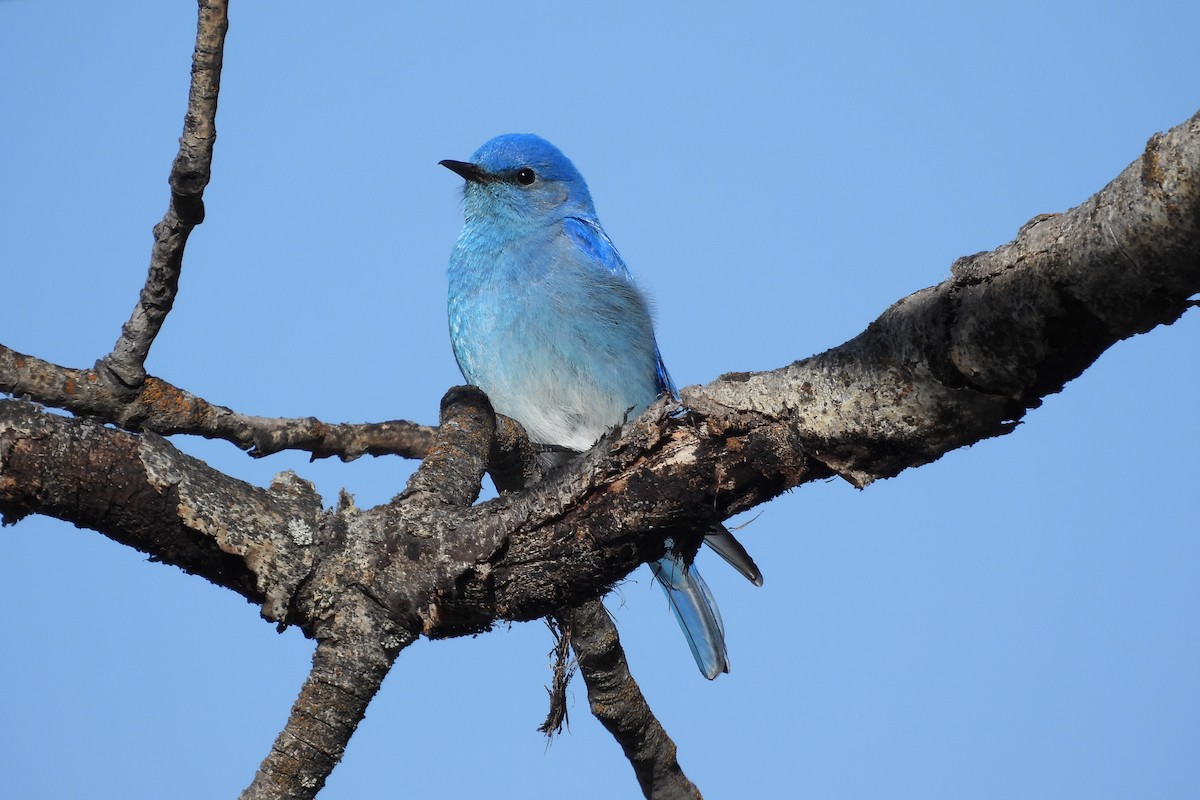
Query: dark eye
pixel 526 176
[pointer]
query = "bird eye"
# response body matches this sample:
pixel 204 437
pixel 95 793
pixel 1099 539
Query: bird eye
pixel 526 176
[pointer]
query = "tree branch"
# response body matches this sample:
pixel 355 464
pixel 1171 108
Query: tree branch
pixel 345 675
pixel 189 176
pixel 160 407
pixel 118 389
pixel 347 606
pixel 943 368
pixel 617 701
pixel 962 361
pixel 142 492
pixel 614 696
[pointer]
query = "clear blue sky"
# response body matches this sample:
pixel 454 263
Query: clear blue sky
pixel 1019 619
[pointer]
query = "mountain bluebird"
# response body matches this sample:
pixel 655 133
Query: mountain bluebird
pixel 545 318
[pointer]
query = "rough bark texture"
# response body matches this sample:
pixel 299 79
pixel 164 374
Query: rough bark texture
pixel 586 630
pixel 617 701
pixel 158 406
pixel 189 176
pixel 942 368
pixel 344 677
pixel 963 360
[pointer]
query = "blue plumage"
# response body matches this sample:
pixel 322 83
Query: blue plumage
pixel 546 319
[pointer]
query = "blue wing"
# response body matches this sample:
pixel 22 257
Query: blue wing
pixel 589 237
pixel 689 596
pixel 592 240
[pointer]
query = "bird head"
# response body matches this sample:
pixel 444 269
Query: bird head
pixel 522 179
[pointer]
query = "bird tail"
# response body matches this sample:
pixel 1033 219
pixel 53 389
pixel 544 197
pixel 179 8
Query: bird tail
pixel 696 611
pixel 722 543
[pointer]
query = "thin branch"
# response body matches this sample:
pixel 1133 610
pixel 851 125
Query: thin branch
pixel 165 409
pixel 618 702
pixel 118 389
pixel 189 176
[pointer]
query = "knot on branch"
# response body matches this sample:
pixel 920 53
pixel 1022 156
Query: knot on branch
pixel 189 206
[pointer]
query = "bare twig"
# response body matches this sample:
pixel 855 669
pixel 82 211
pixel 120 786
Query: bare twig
pixel 119 390
pixel 165 409
pixel 621 707
pixel 189 176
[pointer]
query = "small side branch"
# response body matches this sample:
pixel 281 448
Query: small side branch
pixel 189 176
pixel 452 472
pixel 621 707
pixel 119 390
pixel 165 409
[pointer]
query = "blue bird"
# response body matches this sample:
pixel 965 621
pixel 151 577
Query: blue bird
pixel 545 318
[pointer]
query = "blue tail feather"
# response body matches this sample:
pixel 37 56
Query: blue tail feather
pixel 696 611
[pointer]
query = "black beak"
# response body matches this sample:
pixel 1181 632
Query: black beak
pixel 467 170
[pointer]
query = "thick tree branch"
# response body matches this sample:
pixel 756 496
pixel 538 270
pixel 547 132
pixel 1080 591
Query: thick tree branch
pixel 141 491
pixel 438 567
pixel 345 675
pixel 946 367
pixel 347 607
pixel 963 360
pixel 189 176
